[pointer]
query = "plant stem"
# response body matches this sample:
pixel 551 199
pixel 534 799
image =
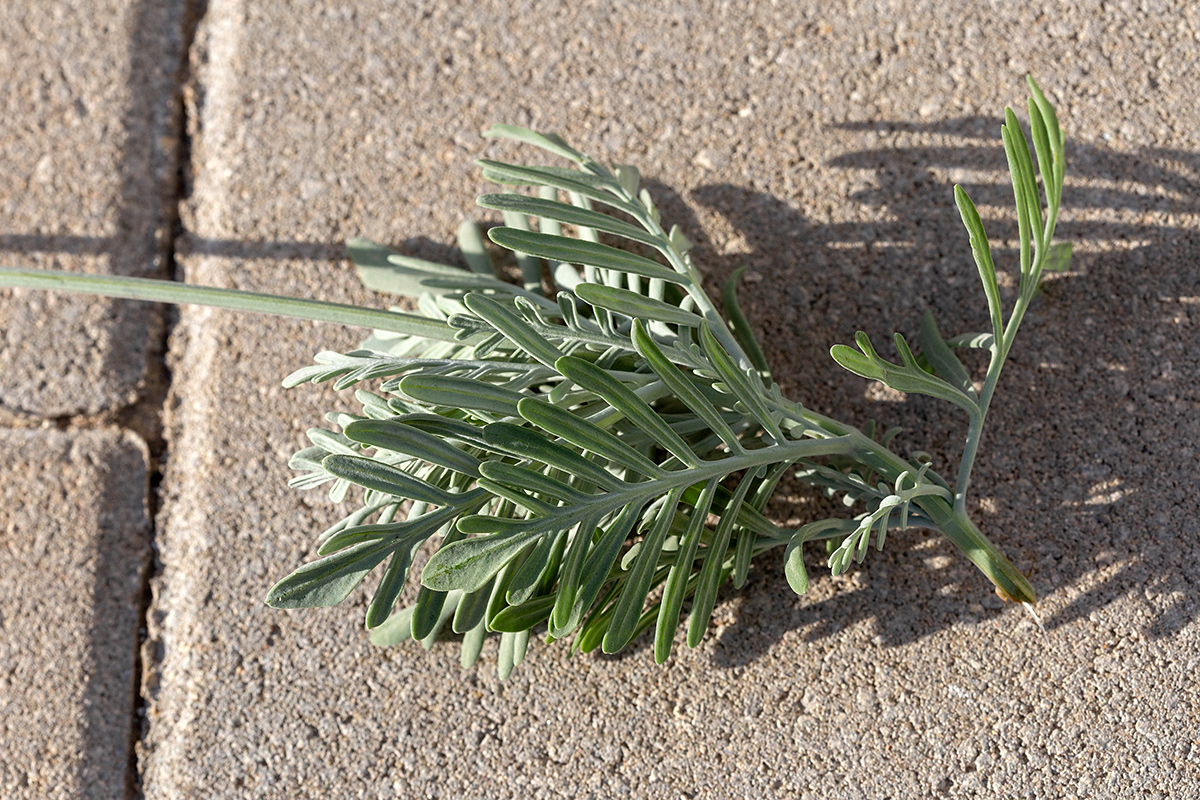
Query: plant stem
pixel 999 351
pixel 186 293
pixel 959 528
pixel 952 521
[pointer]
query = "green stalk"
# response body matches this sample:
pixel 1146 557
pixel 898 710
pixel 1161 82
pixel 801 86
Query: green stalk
pixel 186 293
pixel 959 528
pixel 999 353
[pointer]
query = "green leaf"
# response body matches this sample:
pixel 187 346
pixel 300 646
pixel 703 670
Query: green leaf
pixel 711 572
pixel 376 272
pixel 1025 213
pixel 513 327
pixel 497 602
pixel 383 478
pixel 982 252
pixel 942 358
pixel 681 387
pixel 398 437
pixel 563 618
pixel 333 442
pixel 447 611
pixel 629 177
pixel 907 378
pixel 591 634
pixel 740 325
pixel 395 575
pixel 742 553
pixel 526 578
pixel 578 251
pixel 531 267
pixel 511 652
pixel 532 480
pixel 470 393
pixel 679 240
pixel 396 629
pixel 600 561
pixel 526 443
pixel 550 142
pixel 418 525
pixel 1057 142
pixel 582 433
pixel 737 381
pixel 472 608
pixel 472 644
pixel 1041 147
pixel 434 268
pixel 381 270
pixel 1023 173
pixel 470 563
pixel 632 304
pixel 515 619
pixel 453 430
pixel 330 580
pixel 793 564
pixel 675 586
pixel 568 180
pixel 624 400
pixel 628 608
pixel 428 611
pixel 552 521
pixel 568 214
pixel 470 242
pixel 747 515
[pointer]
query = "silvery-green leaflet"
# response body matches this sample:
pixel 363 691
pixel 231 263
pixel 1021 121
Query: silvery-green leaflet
pixel 588 459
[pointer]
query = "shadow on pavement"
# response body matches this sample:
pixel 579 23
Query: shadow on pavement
pixel 1091 447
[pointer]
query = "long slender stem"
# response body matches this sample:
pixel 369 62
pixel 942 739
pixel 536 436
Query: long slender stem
pixel 186 293
pixel 999 351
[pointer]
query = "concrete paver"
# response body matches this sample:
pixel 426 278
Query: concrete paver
pixel 817 147
pixel 85 92
pixel 73 519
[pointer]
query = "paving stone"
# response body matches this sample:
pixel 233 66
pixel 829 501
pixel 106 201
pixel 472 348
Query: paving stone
pixel 818 148
pixel 73 518
pixel 86 97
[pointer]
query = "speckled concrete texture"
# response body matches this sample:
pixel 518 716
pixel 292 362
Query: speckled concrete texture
pixel 85 93
pixel 75 543
pixel 817 146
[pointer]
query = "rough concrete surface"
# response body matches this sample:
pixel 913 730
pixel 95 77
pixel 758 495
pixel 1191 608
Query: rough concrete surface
pixel 85 93
pixel 817 146
pixel 73 518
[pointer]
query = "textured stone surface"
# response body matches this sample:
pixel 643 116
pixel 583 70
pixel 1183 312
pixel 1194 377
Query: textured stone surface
pixel 86 99
pixel 73 519
pixel 818 148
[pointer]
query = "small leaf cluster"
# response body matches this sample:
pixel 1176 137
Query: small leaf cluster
pixel 590 449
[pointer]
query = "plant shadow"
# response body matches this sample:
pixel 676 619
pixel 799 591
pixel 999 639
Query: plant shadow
pixel 1093 438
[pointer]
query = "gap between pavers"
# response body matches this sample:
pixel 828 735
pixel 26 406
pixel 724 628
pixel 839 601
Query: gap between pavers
pixel 73 518
pixel 87 184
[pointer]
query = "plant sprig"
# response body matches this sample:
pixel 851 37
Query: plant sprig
pixel 588 458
